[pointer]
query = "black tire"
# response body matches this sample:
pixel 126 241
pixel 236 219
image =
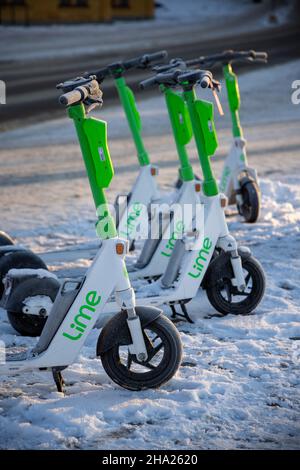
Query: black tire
pixel 19 260
pixel 250 208
pixel 166 332
pixel 25 324
pixel 5 239
pixel 245 302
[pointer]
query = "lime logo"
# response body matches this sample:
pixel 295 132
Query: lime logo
pixel 133 216
pixel 172 240
pixel 224 179
pixel 201 258
pixel 242 157
pixel 80 321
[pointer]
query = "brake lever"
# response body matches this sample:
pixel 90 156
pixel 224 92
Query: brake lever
pixel 216 87
pixel 95 96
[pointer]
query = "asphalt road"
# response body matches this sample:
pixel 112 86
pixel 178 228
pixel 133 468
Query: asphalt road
pixel 31 92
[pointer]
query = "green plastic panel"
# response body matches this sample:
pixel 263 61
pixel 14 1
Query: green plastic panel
pixel 233 91
pixel 96 134
pixel 205 111
pixel 180 117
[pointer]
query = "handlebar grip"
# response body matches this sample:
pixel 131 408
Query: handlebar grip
pixel 154 57
pixel 75 96
pixel 260 55
pixel 197 61
pixel 205 82
pixel 148 83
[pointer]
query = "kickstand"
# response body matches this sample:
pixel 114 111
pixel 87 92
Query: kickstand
pixel 184 313
pixel 58 379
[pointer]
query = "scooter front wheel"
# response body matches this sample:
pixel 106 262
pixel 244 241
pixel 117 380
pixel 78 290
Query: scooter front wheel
pixel 164 357
pixel 226 298
pixel 250 207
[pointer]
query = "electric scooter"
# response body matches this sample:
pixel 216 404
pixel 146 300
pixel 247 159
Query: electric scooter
pixel 150 262
pixel 238 181
pixel 233 304
pixel 131 208
pixel 139 347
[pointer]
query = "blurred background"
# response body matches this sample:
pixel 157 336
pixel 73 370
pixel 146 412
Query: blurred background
pixel 43 43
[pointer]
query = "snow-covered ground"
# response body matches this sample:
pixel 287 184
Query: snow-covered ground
pixel 239 384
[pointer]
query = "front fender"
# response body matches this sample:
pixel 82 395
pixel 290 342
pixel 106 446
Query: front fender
pixel 220 267
pixel 116 330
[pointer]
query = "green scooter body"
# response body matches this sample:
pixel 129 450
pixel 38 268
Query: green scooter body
pixel 92 136
pixel 234 99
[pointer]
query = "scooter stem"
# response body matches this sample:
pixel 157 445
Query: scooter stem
pixel 182 130
pixel 234 100
pixel 133 118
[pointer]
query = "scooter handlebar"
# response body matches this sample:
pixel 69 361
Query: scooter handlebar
pixel 202 77
pixel 148 83
pixel 169 77
pixel 228 57
pixel 141 62
pixel 147 59
pixel 259 56
pixel 77 95
pixel 144 60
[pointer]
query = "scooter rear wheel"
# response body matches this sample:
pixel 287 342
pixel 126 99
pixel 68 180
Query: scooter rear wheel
pixel 5 239
pixel 19 260
pixel 45 289
pixel 250 207
pixel 226 298
pixel 164 358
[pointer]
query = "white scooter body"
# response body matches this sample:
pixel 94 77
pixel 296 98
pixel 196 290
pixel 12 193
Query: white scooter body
pixel 93 293
pixel 143 192
pixel 235 164
pixel 187 199
pixel 212 234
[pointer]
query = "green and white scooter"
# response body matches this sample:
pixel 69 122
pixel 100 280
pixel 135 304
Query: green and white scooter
pixel 131 208
pixel 139 347
pixel 207 255
pixel 238 181
pixel 145 196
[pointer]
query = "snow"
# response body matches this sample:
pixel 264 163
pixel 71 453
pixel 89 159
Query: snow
pixel 37 301
pixel 40 273
pixel 238 386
